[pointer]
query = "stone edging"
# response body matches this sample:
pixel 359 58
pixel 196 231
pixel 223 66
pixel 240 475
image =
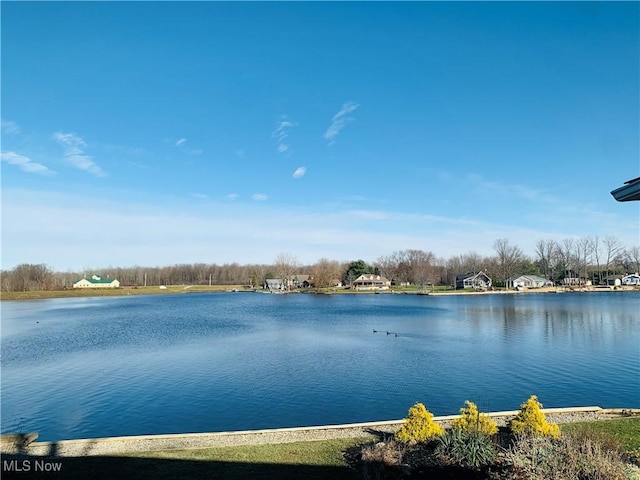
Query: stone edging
pixel 141 443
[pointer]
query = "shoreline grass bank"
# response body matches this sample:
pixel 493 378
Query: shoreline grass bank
pixel 309 459
pixel 192 289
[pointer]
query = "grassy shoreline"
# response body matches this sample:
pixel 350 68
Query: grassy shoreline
pixel 316 459
pixel 182 289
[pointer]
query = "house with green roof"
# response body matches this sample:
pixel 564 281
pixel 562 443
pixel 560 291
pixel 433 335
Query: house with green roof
pixel 96 282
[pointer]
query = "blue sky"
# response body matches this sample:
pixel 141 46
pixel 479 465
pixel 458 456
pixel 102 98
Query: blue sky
pixel 155 133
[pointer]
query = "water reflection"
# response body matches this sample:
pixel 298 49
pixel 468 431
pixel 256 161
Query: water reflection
pixel 224 362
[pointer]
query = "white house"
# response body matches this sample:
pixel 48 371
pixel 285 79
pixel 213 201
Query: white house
pixel 371 282
pixel 97 282
pixel 631 279
pixel 530 281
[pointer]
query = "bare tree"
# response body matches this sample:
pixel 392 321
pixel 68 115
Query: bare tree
pixel 285 267
pixel 565 257
pixel 633 256
pixel 597 254
pixel 544 252
pixel 613 248
pixel 509 259
pixel 472 261
pixel 583 254
pixel 422 271
pixel 325 272
pixel 387 265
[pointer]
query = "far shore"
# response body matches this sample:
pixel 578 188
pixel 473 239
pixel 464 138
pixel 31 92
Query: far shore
pixel 182 289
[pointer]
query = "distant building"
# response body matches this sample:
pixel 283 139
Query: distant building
pixel 97 282
pixel 273 284
pixel 303 281
pixel 475 280
pixel 370 282
pixel 570 277
pixel 530 281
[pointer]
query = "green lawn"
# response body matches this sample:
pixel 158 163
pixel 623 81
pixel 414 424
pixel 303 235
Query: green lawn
pixel 314 460
pixel 326 453
pixel 317 460
pixel 112 292
pixel 625 430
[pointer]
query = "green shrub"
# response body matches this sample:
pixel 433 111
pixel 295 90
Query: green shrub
pixel 418 426
pixel 471 420
pixel 530 420
pixel 466 448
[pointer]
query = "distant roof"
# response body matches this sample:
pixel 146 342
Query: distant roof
pixel 97 279
pixel 534 278
pixel 369 277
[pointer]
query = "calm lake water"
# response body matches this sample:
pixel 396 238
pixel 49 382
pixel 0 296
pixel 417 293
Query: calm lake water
pixel 94 367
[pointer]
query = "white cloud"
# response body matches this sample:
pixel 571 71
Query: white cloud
pixel 281 133
pixel 259 197
pixel 201 196
pixel 511 190
pixel 9 128
pixel 73 147
pixel 25 163
pixel 339 121
pixel 180 142
pixel 232 196
pixel 300 171
pixel 61 231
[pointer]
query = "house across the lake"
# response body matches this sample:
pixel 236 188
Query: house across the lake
pixel 475 280
pixel 97 282
pixel 370 281
pixel 570 277
pixel 530 281
pixel 273 284
pixel 303 281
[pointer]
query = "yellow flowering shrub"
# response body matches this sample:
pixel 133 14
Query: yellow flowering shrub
pixel 471 420
pixel 530 420
pixel 418 426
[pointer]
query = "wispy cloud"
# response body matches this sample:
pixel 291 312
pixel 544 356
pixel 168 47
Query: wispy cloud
pixel 232 196
pixel 511 190
pixel 188 150
pixel 340 120
pixel 74 153
pixel 259 197
pixel 281 133
pixel 67 225
pixel 201 196
pixel 9 128
pixel 239 152
pixel 25 163
pixel 300 171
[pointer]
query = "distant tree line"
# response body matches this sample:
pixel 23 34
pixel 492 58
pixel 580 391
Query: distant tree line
pixel 591 258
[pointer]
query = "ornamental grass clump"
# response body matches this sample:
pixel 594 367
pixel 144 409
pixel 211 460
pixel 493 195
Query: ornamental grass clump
pixel 575 456
pixel 466 448
pixel 471 420
pixel 418 426
pixel 531 421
